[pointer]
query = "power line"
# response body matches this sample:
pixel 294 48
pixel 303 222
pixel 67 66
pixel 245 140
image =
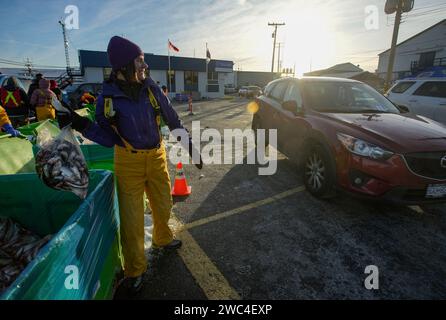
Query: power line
pixel 429 6
pixel 418 14
pixel 24 64
pixel 421 14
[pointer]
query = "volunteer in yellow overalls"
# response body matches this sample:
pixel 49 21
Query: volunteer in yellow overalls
pixel 129 114
pixel 41 100
pixel 5 124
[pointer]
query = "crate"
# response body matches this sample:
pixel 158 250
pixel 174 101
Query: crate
pixel 36 127
pixel 85 237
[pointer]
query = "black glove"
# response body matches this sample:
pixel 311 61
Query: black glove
pixel 191 146
pixel 77 122
pixel 200 165
pixel 80 123
pixel 63 118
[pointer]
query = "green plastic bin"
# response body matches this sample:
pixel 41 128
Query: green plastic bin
pixel 98 157
pixel 18 156
pixel 35 128
pixel 84 237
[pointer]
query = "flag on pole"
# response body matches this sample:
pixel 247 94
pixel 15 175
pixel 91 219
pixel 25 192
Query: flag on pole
pixel 208 54
pixel 172 47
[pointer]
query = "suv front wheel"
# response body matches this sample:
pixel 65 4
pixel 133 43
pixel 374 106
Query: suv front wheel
pixel 318 171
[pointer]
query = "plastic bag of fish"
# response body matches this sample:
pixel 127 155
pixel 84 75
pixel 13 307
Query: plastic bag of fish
pixel 18 247
pixel 60 163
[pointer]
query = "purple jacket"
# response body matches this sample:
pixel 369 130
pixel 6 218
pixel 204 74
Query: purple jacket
pixel 136 121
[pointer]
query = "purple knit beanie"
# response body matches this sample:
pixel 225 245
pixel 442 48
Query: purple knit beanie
pixel 121 52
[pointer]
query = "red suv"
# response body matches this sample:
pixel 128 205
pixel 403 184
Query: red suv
pixel 346 135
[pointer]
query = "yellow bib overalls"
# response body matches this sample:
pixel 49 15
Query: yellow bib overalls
pixel 45 111
pixel 139 171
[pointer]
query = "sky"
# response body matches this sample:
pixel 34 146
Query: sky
pixel 317 34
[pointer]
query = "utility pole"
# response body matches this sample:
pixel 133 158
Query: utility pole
pixel 278 56
pixel 396 28
pixel 65 41
pixel 275 25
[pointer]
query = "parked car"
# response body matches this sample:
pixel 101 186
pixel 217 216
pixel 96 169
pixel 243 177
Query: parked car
pixel 229 89
pixel 249 91
pixel 345 135
pixel 75 92
pixel 426 97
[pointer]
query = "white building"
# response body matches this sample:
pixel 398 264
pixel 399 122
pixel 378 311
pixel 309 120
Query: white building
pixel 188 75
pixel 424 50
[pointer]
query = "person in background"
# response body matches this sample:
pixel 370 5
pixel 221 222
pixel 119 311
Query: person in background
pixel 34 85
pixel 88 98
pixel 5 124
pixel 164 89
pixel 15 101
pixel 53 85
pixel 41 101
pixel 129 114
pixel 58 94
pixel 61 116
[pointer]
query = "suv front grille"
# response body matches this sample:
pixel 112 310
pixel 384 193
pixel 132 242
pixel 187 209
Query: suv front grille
pixel 427 164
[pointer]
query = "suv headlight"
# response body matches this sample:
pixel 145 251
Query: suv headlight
pixel 363 148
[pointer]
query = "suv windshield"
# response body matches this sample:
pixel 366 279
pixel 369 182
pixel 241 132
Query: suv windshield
pixel 345 97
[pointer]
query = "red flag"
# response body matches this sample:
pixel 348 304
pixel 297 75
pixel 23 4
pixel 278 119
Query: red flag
pixel 171 46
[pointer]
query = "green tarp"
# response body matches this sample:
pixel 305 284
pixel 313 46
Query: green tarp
pixel 84 237
pixel 17 156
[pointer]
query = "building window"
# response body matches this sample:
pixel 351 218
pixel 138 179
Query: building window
pixel 212 75
pixel 213 88
pixel 190 81
pixel 172 80
pixel 107 73
pixel 212 85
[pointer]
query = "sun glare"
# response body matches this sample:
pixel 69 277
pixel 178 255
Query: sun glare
pixel 310 40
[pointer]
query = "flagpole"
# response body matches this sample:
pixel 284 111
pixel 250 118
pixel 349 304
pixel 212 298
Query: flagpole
pixel 207 76
pixel 168 54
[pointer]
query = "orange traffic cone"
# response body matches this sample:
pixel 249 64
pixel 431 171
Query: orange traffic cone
pixel 180 188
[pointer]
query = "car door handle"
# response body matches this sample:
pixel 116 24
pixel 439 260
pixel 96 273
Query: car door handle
pixel 442 104
pixel 413 100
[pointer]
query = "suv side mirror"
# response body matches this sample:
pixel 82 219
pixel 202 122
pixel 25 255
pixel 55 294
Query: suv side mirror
pixel 291 106
pixel 403 109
